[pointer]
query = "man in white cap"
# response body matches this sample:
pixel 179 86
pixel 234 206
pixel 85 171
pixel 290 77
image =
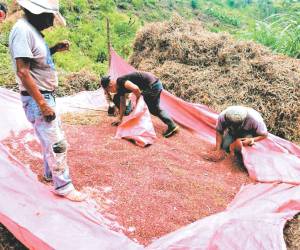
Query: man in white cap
pixel 37 80
pixel 239 126
pixel 3 12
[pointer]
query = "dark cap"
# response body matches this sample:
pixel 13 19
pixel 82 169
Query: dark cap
pixel 3 7
pixel 105 80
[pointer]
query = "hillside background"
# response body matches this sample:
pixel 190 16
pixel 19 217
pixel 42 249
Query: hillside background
pixel 275 24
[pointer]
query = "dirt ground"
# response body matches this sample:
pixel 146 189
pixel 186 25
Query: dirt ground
pixel 149 191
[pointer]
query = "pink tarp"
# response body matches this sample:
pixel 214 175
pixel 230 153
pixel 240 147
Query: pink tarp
pixel 138 126
pixel 254 220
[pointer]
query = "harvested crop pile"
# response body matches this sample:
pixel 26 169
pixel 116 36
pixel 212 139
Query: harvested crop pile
pixel 73 83
pixel 8 241
pixel 145 192
pixel 292 233
pixel 216 70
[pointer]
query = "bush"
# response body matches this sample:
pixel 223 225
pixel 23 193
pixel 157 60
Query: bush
pixel 195 4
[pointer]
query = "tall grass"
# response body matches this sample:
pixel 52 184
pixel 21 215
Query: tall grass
pixel 281 32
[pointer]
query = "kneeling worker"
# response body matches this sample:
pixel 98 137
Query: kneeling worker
pixel 239 126
pixel 140 83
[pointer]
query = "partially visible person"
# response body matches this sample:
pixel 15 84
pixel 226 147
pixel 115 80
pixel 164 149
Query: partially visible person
pixel 3 12
pixel 37 80
pixel 239 126
pixel 114 100
pixel 140 83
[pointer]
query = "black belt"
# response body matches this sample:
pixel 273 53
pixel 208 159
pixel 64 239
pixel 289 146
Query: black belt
pixel 25 93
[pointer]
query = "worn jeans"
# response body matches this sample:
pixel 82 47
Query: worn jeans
pixel 229 138
pixel 54 145
pixel 152 99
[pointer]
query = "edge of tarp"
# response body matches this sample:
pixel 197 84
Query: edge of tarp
pixel 30 240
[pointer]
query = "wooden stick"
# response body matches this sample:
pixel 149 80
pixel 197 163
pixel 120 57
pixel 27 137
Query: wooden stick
pixel 108 41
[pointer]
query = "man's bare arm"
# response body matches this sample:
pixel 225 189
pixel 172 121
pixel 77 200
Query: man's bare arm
pixel 219 138
pixel 23 72
pixel 133 88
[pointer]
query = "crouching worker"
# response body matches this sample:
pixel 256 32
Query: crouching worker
pixel 37 79
pixel 140 83
pixel 239 126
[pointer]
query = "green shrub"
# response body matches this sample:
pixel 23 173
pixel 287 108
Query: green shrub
pixel 223 17
pixel 195 4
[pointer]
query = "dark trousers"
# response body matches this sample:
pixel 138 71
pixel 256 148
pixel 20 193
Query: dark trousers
pixel 152 99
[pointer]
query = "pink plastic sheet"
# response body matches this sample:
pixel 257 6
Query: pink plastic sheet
pixel 138 126
pixel 254 220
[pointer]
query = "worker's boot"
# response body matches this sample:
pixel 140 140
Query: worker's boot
pixel 171 131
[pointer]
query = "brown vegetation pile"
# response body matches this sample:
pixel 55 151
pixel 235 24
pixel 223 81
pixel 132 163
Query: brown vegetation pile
pixel 8 241
pixel 292 233
pixel 216 70
pixel 75 82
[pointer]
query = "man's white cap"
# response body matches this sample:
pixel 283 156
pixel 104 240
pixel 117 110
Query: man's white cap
pixel 236 114
pixel 43 6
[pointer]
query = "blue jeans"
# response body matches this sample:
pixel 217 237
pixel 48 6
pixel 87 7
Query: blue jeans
pixel 54 145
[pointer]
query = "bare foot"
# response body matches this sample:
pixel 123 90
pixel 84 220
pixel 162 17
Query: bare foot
pixel 75 195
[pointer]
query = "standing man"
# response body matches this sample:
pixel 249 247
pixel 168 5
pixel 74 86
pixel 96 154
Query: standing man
pixel 3 12
pixel 239 126
pixel 37 80
pixel 140 83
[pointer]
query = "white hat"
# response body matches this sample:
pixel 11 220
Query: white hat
pixel 43 6
pixel 236 114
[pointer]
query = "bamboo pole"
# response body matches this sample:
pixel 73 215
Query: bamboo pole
pixel 108 41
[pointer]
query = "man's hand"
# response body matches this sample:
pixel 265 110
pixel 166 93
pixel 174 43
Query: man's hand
pixel 61 46
pixel 215 156
pixel 47 112
pixel 247 141
pixel 112 111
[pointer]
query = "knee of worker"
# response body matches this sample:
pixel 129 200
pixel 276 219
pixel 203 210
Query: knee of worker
pixel 60 147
